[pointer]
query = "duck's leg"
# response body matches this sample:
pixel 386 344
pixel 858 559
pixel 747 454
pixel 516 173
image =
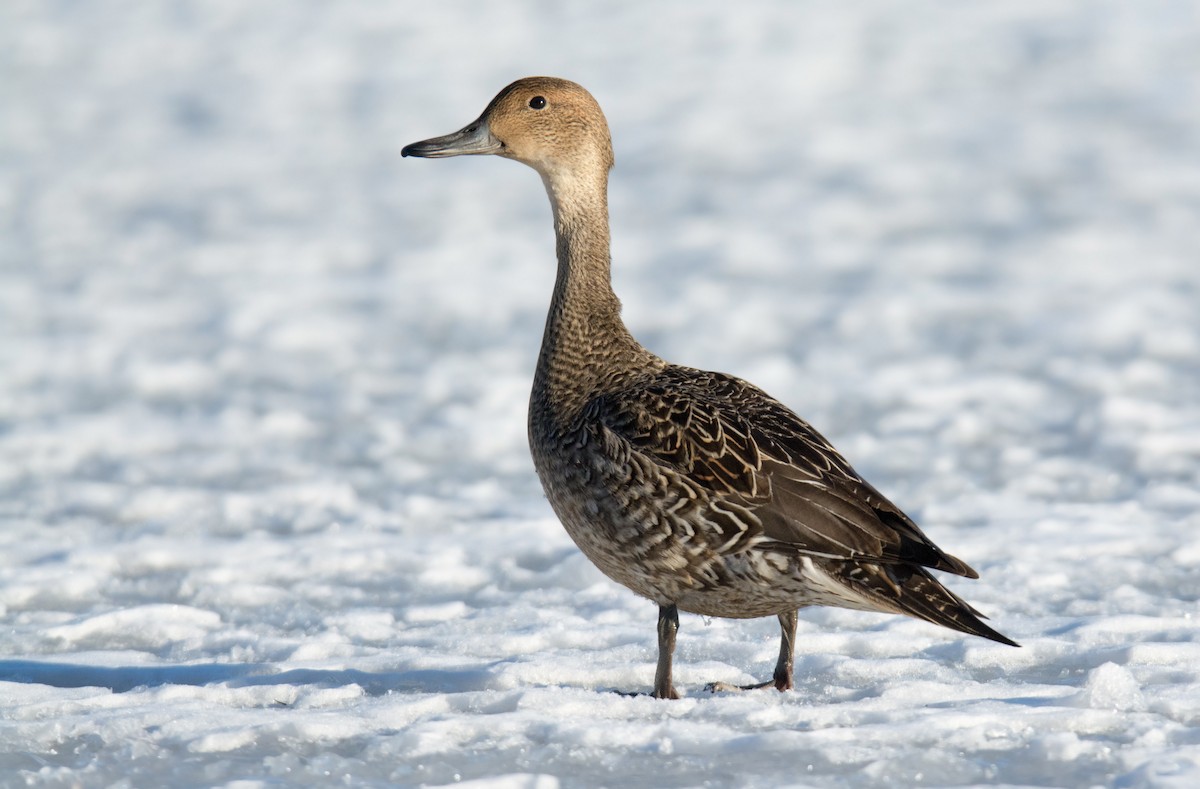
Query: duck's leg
pixel 787 651
pixel 783 668
pixel 668 626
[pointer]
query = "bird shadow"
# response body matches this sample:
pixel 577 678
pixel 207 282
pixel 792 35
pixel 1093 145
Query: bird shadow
pixel 121 679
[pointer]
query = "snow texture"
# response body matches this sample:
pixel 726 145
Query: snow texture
pixel 267 515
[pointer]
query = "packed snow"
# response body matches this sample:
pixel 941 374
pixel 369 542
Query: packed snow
pixel 267 514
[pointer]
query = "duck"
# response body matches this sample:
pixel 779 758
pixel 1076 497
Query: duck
pixel 695 490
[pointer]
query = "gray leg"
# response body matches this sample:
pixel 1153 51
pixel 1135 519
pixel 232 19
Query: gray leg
pixel 668 626
pixel 787 651
pixel 783 669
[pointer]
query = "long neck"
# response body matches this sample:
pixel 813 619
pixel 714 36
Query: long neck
pixel 586 347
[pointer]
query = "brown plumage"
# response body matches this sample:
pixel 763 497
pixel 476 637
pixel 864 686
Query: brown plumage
pixel 694 489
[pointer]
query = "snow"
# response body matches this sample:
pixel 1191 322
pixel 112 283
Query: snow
pixel 267 516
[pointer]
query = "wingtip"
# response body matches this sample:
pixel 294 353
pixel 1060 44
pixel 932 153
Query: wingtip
pixel 957 566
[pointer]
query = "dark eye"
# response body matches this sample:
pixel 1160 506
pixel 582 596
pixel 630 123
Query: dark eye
pixel 537 102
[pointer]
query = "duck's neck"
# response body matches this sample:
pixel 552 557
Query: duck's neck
pixel 586 348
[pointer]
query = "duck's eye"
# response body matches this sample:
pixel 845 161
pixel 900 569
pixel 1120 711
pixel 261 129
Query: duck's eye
pixel 537 102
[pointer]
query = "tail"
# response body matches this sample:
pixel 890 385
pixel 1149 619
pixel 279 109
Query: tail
pixel 911 590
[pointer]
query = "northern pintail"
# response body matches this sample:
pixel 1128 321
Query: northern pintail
pixel 694 489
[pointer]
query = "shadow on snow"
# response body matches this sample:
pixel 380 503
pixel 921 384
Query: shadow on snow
pixel 121 679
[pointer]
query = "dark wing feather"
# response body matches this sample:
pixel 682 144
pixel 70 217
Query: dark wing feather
pixel 733 440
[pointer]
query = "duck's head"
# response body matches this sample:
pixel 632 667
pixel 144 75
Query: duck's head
pixel 550 124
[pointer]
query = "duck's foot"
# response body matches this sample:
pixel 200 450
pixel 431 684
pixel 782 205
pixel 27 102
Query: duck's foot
pixel 725 687
pixel 782 679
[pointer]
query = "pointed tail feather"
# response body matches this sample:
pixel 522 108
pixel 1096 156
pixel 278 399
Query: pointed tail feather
pixel 911 590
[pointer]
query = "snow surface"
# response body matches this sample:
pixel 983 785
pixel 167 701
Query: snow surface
pixel 268 516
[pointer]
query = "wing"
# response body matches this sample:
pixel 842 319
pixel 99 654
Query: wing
pixel 745 449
